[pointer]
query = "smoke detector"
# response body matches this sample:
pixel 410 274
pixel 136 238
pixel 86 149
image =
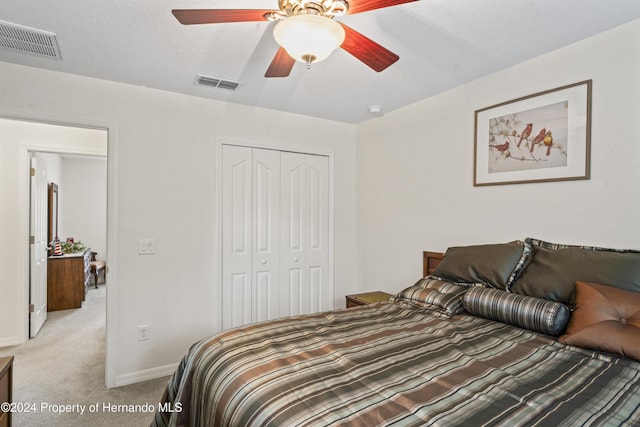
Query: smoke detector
pixel 376 110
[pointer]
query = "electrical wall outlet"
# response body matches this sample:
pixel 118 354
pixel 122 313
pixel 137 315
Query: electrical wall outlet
pixel 143 332
pixel 146 246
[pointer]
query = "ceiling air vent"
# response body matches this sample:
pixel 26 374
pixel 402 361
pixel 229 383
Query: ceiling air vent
pixel 29 40
pixel 215 82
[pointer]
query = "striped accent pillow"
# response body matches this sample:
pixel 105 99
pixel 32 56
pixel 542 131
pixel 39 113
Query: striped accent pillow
pixel 536 314
pixel 434 294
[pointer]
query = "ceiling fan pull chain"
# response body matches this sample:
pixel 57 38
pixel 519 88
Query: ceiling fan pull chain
pixel 308 59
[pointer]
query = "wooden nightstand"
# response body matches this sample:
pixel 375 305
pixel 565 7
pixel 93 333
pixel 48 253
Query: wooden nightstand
pixel 367 298
pixel 6 381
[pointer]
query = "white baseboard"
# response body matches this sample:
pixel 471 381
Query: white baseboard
pixel 145 375
pixel 10 341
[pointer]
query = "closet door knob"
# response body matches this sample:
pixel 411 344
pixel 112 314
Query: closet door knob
pixel 264 261
pixel 295 259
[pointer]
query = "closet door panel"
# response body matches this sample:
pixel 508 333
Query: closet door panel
pixel 266 233
pixel 317 248
pixel 265 295
pixel 305 232
pixel 293 289
pixel 236 236
pixel 238 306
pixel 316 293
pixel 293 214
pixel 293 210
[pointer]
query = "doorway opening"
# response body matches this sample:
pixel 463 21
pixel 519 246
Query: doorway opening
pixel 71 143
pixel 74 231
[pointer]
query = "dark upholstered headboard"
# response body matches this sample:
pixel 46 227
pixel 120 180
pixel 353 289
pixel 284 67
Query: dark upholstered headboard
pixel 430 261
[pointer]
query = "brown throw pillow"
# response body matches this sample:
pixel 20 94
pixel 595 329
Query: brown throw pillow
pixel 606 319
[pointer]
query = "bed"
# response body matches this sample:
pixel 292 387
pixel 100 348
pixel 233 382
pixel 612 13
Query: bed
pixel 481 339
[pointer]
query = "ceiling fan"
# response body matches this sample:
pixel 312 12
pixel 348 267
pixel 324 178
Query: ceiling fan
pixel 306 30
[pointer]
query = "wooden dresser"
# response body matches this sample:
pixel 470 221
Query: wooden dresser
pixel 67 280
pixel 6 385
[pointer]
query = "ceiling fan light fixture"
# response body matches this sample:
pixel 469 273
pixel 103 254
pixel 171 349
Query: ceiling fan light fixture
pixel 309 38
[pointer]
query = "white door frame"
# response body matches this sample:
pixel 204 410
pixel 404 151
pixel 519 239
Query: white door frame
pixel 218 226
pixel 22 245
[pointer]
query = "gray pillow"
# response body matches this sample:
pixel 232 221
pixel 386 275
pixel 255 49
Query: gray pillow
pixel 493 264
pixel 535 314
pixel 551 274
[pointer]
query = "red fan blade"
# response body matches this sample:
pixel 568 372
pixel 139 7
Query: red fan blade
pixel 281 65
pixel 358 6
pixel 366 50
pixel 218 16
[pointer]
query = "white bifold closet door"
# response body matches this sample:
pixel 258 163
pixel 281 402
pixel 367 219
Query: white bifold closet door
pixel 275 234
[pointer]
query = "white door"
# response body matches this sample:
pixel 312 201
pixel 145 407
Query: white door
pixel 304 249
pixel 38 245
pixel 250 232
pixel 256 222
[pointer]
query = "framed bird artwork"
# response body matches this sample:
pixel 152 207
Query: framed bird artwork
pixel 537 138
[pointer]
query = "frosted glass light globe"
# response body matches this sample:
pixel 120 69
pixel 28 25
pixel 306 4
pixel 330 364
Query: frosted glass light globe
pixel 309 38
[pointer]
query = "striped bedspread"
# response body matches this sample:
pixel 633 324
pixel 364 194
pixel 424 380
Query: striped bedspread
pixel 390 364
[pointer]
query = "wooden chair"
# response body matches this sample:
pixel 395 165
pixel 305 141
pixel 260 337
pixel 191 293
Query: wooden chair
pixel 97 267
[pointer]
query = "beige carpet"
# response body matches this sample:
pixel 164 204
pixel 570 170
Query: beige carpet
pixel 64 365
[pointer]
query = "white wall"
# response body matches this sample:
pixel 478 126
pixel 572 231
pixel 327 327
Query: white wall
pixel 162 185
pixel 415 167
pixel 83 198
pixel 53 161
pixel 82 190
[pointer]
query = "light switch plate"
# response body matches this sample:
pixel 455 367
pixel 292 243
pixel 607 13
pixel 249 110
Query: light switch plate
pixel 146 246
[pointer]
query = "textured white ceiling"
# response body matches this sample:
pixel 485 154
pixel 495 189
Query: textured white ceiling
pixel 441 44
